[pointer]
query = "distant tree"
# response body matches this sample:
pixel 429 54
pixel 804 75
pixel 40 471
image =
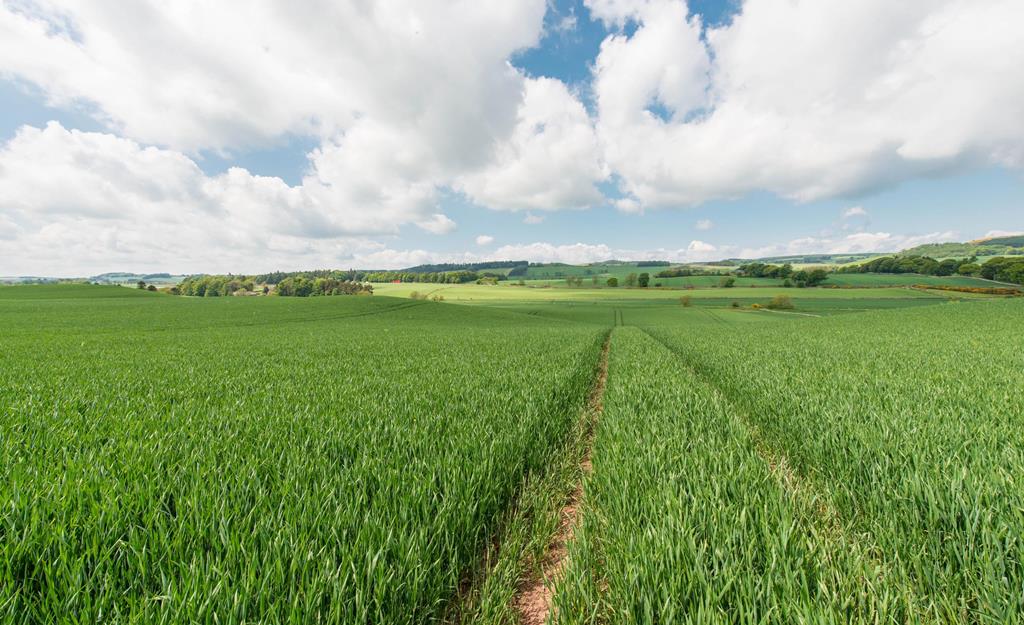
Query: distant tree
pixel 969 269
pixel 816 277
pixel 613 282
pixel 631 279
pixel 643 280
pixel 140 284
pixel 266 289
pixel 727 282
pixel 151 288
pixel 780 302
pixel 685 301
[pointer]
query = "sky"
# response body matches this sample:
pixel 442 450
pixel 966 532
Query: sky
pixel 243 137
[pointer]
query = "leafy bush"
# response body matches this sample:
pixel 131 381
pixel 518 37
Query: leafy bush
pixel 780 302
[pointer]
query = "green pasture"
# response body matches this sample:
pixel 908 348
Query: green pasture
pixel 356 459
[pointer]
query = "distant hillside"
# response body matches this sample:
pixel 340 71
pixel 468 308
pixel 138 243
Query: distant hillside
pixel 124 277
pixel 445 267
pixel 995 246
pixel 797 259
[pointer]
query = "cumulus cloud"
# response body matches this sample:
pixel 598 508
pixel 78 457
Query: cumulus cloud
pixel 1002 233
pixel 860 242
pixel 484 239
pixel 437 224
pixel 551 127
pixel 854 211
pixel 89 201
pixel 410 99
pixel 705 224
pixel 406 98
pixel 195 74
pixel 806 99
pixel 579 253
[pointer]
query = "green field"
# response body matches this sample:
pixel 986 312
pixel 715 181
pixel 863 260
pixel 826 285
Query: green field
pixel 379 459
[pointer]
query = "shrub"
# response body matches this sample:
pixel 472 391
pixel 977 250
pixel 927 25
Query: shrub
pixel 685 301
pixel 780 302
pixel 727 282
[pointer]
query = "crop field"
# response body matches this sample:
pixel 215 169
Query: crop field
pixel 341 460
pixel 905 279
pixel 379 459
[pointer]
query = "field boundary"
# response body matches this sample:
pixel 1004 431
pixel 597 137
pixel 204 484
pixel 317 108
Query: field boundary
pixel 518 554
pixel 534 600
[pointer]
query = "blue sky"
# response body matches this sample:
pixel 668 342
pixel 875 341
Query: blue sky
pixel 673 141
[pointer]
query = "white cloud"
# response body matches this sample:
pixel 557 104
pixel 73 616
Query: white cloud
pixel 854 211
pixel 615 13
pixel 552 127
pixel 579 253
pixel 705 224
pixel 700 247
pixel 437 224
pixel 192 74
pixel 88 202
pixel 533 220
pixel 566 24
pixel 484 239
pixel 1002 233
pixel 629 205
pixel 405 98
pixel 807 99
pixel 860 242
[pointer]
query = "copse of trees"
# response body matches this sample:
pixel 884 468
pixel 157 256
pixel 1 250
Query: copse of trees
pixel 214 286
pixel 923 265
pixel 765 270
pixel 810 278
pixel 1003 269
pixel 288 286
pixel 675 272
pixel 305 287
pixel 446 277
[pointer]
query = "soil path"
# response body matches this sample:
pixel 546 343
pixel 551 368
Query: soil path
pixel 534 600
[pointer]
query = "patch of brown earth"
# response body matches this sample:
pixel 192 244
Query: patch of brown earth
pixel 534 601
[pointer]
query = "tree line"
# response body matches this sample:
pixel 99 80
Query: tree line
pixel 287 286
pixel 790 277
pixel 1001 268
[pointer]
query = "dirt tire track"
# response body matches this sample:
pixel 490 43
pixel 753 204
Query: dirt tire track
pixel 534 600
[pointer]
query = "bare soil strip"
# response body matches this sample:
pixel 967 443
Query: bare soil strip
pixel 534 599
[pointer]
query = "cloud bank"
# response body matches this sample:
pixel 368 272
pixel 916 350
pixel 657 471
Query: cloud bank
pixel 413 99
